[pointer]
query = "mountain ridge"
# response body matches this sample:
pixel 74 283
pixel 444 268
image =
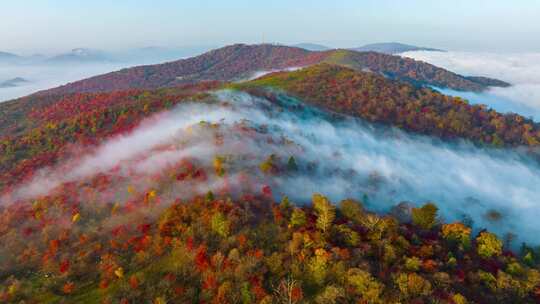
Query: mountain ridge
pixel 238 61
pixel 380 100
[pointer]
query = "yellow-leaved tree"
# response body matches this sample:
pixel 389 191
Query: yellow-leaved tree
pixel 326 212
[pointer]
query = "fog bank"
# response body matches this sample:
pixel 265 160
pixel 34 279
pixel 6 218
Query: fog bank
pixel 42 77
pixel 340 157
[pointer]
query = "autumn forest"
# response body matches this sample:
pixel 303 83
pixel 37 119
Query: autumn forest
pixel 194 182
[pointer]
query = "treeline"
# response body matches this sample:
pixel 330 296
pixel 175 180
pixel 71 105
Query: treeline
pixel 420 110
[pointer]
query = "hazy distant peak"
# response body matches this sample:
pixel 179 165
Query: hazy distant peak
pixel 393 48
pixel 83 52
pixel 12 82
pixel 82 55
pixel 312 46
pixel 7 55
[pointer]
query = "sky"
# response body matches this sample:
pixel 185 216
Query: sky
pixel 464 25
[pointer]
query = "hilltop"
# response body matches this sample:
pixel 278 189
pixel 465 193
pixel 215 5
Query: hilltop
pixel 240 61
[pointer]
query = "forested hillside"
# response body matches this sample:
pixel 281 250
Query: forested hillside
pixel 166 226
pixel 89 214
pixel 421 110
pixel 251 250
pixel 43 133
pixel 37 128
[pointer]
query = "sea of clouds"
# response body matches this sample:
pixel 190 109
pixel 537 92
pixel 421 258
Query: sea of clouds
pixel 45 76
pixel 522 70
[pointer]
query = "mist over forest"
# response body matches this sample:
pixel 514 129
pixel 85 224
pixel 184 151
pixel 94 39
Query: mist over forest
pixel 361 152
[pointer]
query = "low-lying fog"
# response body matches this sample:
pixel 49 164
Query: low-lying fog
pixel 41 72
pixel 42 76
pixel 339 157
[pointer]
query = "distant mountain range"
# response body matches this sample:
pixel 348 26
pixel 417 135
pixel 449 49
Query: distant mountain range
pixel 81 55
pixel 6 57
pixel 10 58
pixel 240 61
pixel 146 55
pixel 15 82
pixel 312 47
pixel 152 55
pixel 393 48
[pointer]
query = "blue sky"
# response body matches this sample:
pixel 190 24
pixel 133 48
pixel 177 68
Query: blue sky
pixel 53 25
